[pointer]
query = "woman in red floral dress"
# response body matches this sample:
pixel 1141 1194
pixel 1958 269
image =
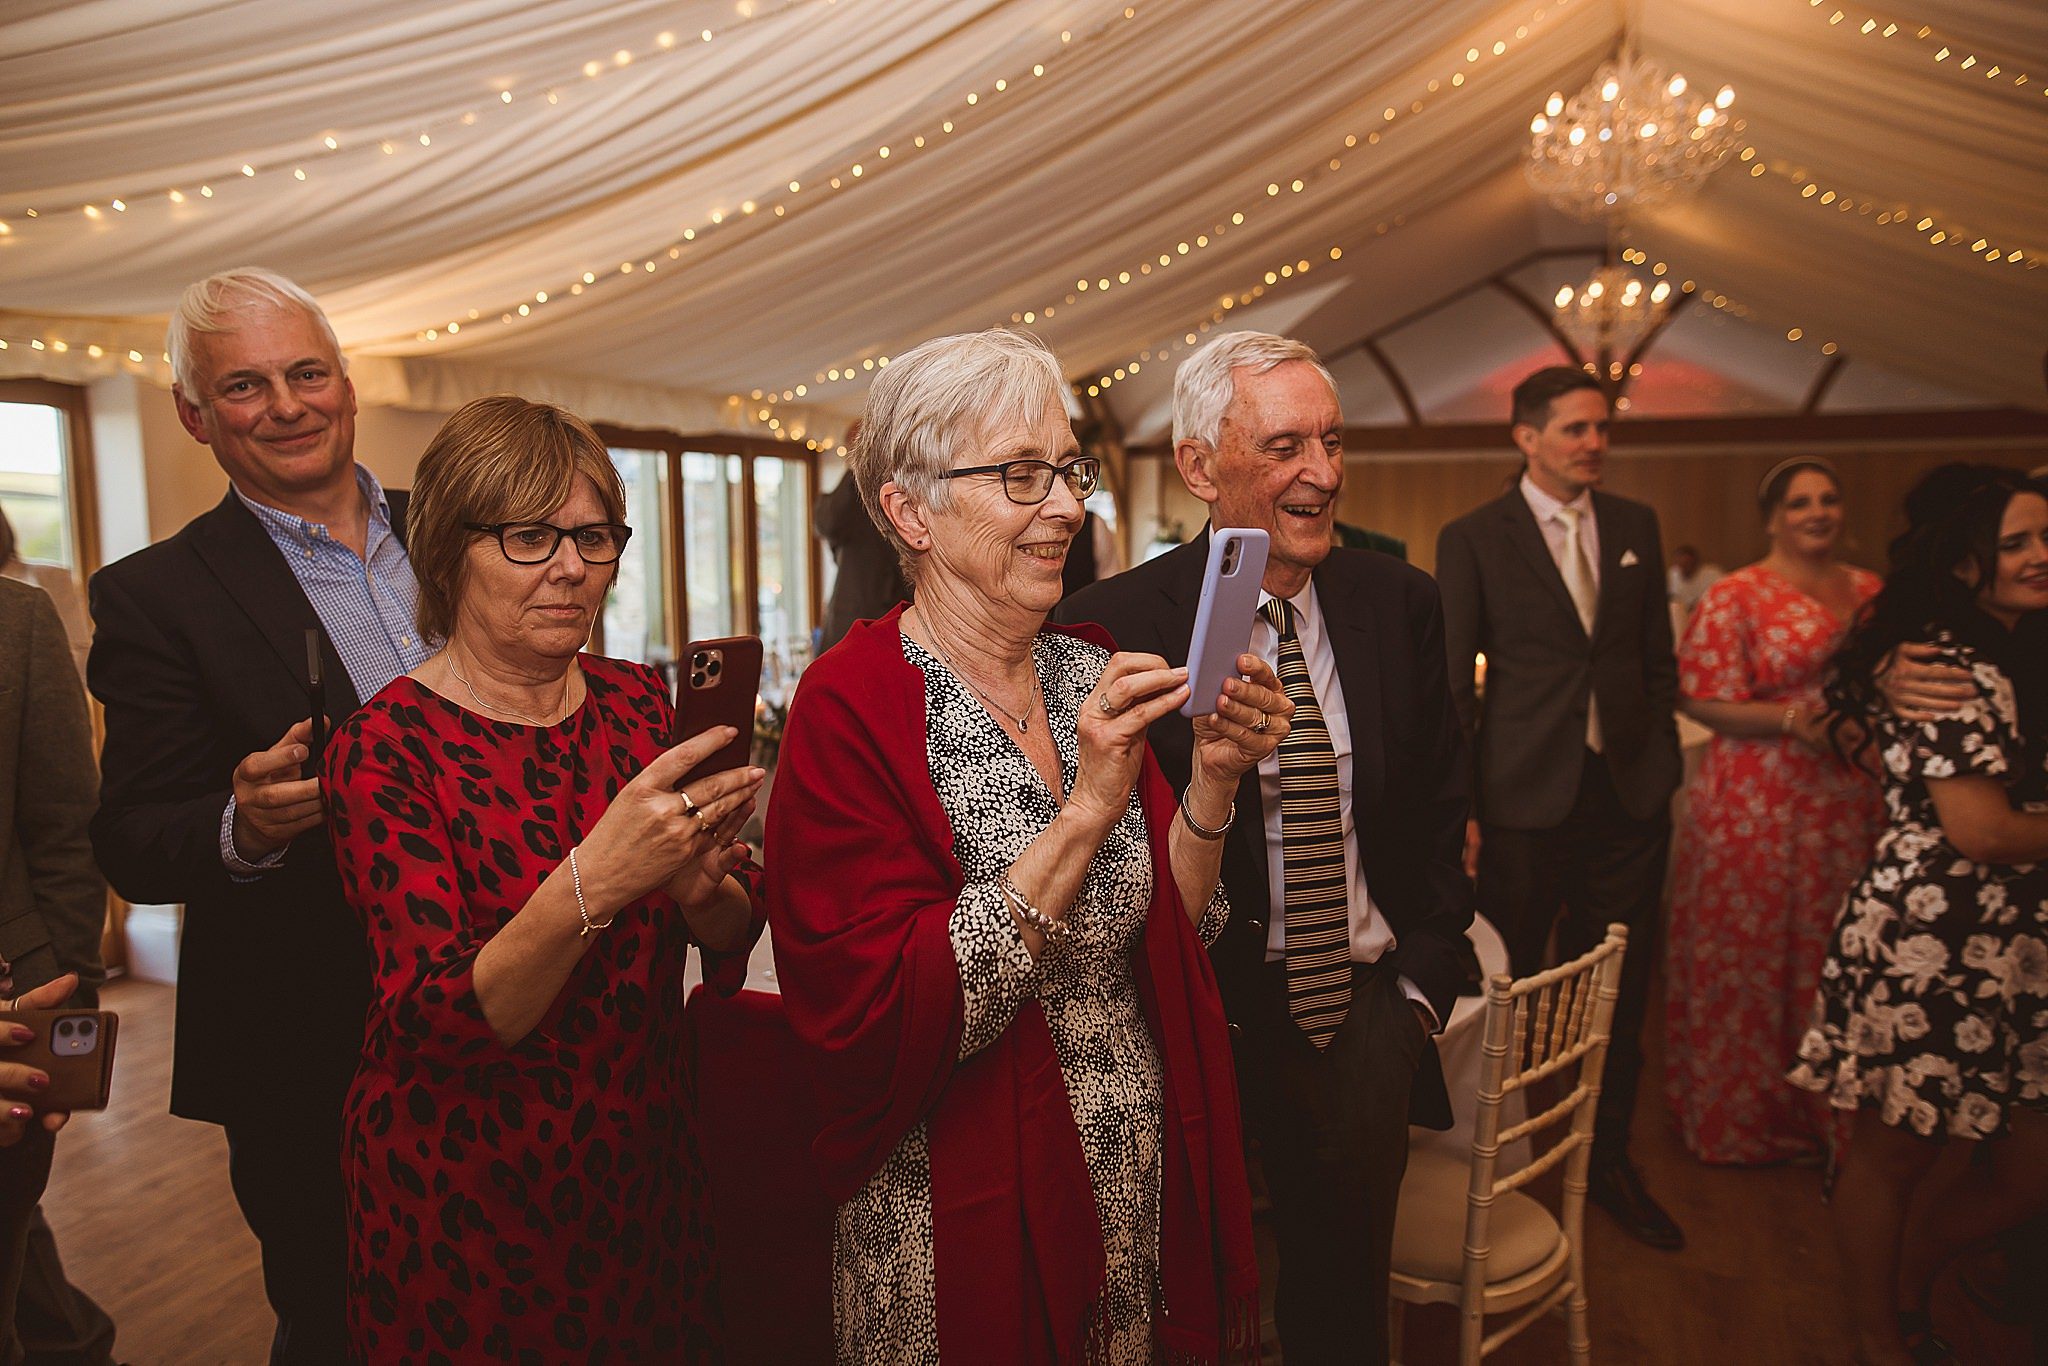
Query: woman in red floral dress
pixel 520 1154
pixel 1778 830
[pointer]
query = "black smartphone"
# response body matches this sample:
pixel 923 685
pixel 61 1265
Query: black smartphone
pixel 316 703
pixel 718 685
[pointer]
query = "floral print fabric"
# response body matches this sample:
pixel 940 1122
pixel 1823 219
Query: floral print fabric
pixel 1933 1002
pixel 1775 835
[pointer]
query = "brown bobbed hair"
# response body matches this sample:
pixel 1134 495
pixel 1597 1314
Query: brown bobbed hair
pixel 496 459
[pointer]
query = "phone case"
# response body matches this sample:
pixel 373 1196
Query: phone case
pixel 716 687
pixel 76 1048
pixel 1223 619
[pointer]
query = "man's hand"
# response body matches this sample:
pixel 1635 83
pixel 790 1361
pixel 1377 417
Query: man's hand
pixel 1916 689
pixel 273 804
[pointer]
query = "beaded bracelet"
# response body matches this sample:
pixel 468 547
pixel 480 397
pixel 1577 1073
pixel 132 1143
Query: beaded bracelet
pixel 1054 930
pixel 583 911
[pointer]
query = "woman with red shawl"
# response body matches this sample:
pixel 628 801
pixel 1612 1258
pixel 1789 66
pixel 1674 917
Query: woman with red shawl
pixel 990 912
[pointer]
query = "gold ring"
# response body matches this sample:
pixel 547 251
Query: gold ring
pixel 689 804
pixel 1102 701
pixel 1261 724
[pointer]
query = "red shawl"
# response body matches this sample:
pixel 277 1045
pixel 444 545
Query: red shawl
pixel 861 881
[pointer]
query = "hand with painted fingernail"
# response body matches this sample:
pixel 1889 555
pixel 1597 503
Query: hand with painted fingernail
pixel 20 1084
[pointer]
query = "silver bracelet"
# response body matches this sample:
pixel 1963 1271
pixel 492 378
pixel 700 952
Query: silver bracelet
pixel 583 911
pixel 1054 930
pixel 1201 832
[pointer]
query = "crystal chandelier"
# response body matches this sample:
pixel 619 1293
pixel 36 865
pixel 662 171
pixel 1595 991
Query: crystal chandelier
pixel 1611 313
pixel 1634 137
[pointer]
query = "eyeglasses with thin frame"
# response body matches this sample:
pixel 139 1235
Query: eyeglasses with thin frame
pixel 537 542
pixel 1029 482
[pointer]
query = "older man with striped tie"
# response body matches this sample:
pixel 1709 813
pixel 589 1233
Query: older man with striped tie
pixel 1344 866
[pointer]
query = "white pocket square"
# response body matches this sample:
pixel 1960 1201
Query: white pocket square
pixel 1628 557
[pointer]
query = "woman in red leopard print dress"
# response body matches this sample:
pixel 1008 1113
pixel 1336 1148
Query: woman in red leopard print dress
pixel 520 1151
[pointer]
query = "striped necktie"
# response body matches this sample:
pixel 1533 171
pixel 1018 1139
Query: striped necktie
pixel 1318 906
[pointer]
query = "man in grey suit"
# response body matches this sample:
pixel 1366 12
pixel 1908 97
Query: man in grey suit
pixel 1562 588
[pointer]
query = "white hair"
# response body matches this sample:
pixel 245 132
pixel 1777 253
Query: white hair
pixel 1207 380
pixel 936 398
pixel 212 305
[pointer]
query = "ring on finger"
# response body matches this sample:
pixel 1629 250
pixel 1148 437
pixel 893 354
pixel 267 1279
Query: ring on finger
pixel 1262 723
pixel 689 803
pixel 1108 708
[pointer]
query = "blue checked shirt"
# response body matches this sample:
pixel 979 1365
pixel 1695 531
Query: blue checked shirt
pixel 365 606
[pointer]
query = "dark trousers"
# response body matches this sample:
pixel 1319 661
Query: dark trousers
pixel 1332 1129
pixel 285 1165
pixel 1601 865
pixel 44 1320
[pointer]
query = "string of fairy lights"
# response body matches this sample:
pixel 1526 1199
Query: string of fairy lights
pixel 1949 53
pixel 1371 125
pixel 302 165
pixel 1933 228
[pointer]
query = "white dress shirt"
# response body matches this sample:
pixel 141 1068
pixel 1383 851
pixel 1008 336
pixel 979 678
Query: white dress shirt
pixel 1371 936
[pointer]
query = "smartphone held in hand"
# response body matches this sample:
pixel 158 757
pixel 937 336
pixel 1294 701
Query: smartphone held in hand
pixel 1224 616
pixel 76 1049
pixel 717 686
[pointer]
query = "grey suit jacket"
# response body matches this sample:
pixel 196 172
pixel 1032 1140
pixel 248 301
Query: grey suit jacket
pixel 1503 597
pixel 53 904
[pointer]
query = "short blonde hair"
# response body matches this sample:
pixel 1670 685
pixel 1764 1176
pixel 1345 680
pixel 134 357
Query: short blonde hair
pixel 1207 380
pixel 211 306
pixel 933 400
pixel 496 459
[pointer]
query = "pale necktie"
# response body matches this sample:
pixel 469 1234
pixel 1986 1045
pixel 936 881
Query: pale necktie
pixel 1577 569
pixel 1317 893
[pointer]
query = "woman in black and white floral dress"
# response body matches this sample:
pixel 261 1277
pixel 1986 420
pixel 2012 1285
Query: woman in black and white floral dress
pixel 1931 1021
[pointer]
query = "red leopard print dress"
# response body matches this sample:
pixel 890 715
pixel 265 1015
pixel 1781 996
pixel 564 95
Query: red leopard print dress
pixel 543 1202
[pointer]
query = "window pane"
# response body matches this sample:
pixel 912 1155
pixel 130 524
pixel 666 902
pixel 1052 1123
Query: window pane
pixel 710 488
pixel 34 482
pixel 781 503
pixel 637 617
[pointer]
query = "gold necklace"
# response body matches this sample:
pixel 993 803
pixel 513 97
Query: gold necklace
pixel 1022 723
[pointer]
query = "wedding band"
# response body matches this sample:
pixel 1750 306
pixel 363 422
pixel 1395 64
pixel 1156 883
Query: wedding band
pixel 1102 701
pixel 689 805
pixel 1261 724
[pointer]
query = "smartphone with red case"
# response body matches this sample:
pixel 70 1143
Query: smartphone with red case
pixel 76 1049
pixel 717 686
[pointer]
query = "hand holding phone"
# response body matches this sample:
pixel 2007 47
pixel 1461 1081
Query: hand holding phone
pixel 717 686
pixel 1223 618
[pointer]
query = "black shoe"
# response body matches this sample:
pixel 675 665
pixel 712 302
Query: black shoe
pixel 1614 1186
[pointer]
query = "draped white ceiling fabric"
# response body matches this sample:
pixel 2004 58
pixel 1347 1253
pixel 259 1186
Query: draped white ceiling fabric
pixel 588 200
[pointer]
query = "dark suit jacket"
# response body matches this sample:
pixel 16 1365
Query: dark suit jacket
pixel 199 658
pixel 1408 766
pixel 1503 596
pixel 53 904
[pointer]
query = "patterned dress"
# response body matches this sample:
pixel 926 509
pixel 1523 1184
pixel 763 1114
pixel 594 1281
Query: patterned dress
pixel 541 1202
pixel 1933 1001
pixel 1775 835
pixel 996 804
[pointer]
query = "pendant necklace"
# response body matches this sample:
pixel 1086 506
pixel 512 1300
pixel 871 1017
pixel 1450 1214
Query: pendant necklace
pixel 1022 723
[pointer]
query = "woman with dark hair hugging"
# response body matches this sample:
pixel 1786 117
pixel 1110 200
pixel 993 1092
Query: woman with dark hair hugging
pixel 1933 1002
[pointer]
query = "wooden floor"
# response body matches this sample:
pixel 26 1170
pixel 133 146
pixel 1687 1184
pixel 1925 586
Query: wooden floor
pixel 148 1226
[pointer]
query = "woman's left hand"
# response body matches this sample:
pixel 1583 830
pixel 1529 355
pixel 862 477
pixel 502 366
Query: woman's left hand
pixel 1253 716
pixel 20 1084
pixel 698 881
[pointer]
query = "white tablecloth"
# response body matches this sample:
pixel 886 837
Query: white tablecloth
pixel 1459 1049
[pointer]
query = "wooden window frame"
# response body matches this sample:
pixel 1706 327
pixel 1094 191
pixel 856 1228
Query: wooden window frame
pixel 674 445
pixel 82 486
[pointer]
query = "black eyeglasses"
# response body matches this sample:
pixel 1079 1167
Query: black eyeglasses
pixel 537 542
pixel 1029 481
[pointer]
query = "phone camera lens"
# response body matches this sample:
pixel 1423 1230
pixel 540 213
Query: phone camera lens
pixel 714 668
pixel 85 1027
pixel 64 1027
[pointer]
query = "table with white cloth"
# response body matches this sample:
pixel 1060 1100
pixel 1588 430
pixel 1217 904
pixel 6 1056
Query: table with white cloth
pixel 1459 1047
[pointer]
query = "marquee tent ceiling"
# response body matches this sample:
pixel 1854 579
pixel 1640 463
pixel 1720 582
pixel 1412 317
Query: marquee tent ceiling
pixel 492 152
